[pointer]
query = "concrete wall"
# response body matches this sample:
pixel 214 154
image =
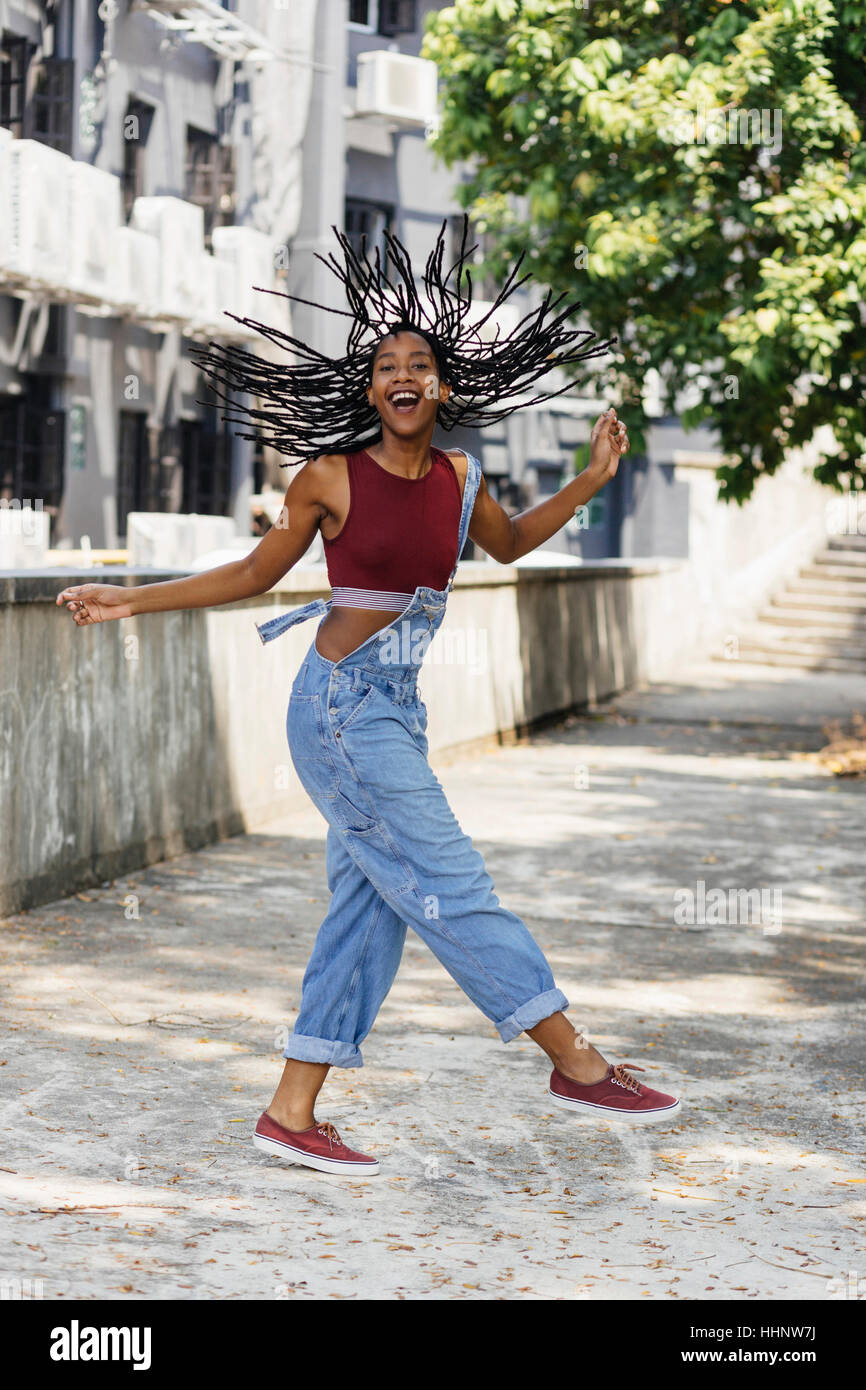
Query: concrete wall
pixel 129 742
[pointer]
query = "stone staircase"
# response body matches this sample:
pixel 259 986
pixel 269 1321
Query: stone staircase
pixel 818 622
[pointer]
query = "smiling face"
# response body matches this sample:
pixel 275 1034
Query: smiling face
pixel 405 387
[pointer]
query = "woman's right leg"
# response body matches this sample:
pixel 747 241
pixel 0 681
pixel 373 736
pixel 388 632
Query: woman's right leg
pixel 355 957
pixel 294 1102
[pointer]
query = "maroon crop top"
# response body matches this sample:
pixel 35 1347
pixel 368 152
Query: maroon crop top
pixel 399 534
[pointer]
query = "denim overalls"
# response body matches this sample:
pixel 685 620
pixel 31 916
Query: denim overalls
pixel 395 853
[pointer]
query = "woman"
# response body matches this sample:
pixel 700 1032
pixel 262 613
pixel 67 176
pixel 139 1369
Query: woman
pixel 394 519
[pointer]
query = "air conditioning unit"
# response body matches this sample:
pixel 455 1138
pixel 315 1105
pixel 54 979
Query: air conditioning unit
pixel 216 288
pixel 94 221
pixel 250 256
pixel 225 294
pixel 173 540
pixel 396 86
pixel 505 319
pixel 36 215
pixel 179 229
pixel 135 273
pixel 24 536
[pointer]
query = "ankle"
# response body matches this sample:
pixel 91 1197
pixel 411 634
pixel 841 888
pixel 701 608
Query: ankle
pixel 583 1064
pixel 288 1118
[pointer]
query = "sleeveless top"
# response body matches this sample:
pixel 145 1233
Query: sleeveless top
pixel 399 534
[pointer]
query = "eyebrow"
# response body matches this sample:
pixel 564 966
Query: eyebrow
pixel 417 352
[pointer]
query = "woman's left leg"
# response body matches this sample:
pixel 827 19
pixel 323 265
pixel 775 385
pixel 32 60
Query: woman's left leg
pixel 354 960
pixel 355 957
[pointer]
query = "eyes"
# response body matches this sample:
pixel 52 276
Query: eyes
pixel 415 366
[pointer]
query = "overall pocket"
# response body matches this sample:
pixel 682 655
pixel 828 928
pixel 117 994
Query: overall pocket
pixel 352 803
pixel 345 705
pixel 307 739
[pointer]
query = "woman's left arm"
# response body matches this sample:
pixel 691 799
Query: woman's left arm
pixel 506 538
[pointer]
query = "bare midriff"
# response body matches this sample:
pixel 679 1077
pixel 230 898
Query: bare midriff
pixel 342 630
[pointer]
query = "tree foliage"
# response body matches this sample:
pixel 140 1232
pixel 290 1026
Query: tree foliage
pixel 695 172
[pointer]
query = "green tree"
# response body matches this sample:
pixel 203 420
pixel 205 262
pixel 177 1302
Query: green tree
pixel 694 174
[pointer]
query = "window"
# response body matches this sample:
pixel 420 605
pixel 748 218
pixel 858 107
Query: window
pixel 397 17
pixel 363 13
pixel 36 98
pixel 15 55
pixel 205 455
pixel 206 460
pixel 31 446
pixel 49 112
pixel 370 220
pixel 136 131
pixel 210 178
pixel 133 467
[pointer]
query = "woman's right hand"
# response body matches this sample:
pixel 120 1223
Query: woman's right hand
pixel 96 603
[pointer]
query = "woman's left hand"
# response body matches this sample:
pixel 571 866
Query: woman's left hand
pixel 608 442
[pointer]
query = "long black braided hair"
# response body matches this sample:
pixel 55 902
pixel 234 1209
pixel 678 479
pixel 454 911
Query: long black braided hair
pixel 318 404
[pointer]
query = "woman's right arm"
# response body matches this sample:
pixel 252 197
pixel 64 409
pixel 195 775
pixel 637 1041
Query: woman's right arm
pixel 276 553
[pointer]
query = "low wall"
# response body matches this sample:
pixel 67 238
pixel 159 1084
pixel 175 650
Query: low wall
pixel 127 742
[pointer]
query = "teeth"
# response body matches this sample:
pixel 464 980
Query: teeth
pixel 404 398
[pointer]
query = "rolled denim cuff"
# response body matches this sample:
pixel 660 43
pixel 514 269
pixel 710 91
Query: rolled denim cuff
pixel 553 1001
pixel 336 1054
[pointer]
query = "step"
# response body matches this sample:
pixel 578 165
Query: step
pixel 847 542
pixel 760 656
pixel 833 588
pixel 800 597
pixel 849 559
pixel 828 619
pixel 802 640
pixel 850 575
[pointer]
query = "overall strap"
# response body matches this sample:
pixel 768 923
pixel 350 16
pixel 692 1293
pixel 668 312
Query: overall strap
pixel 283 621
pixel 470 492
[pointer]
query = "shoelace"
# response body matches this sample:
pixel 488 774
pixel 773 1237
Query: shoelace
pixel 327 1129
pixel 622 1076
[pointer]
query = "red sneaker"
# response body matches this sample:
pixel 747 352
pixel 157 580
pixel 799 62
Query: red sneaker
pixel 616 1097
pixel 320 1147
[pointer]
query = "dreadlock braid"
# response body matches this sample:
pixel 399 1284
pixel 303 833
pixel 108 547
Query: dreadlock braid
pixel 319 404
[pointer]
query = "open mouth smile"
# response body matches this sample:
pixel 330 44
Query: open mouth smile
pixel 404 402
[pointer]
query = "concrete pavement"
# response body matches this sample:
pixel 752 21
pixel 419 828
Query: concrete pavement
pixel 144 1025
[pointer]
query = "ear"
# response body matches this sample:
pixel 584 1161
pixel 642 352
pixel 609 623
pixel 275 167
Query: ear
pixel 444 391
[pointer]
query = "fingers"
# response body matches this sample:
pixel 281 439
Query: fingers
pixel 607 417
pixel 614 427
pixel 75 599
pixel 75 593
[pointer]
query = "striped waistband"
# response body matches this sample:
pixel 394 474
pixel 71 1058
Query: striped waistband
pixel 370 598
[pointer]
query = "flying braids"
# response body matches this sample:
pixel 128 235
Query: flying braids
pixel 319 404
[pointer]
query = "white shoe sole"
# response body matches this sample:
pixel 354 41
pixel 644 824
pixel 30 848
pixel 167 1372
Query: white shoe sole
pixel 604 1112
pixel 324 1165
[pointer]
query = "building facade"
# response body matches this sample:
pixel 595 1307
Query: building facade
pixel 158 158
pixel 149 161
